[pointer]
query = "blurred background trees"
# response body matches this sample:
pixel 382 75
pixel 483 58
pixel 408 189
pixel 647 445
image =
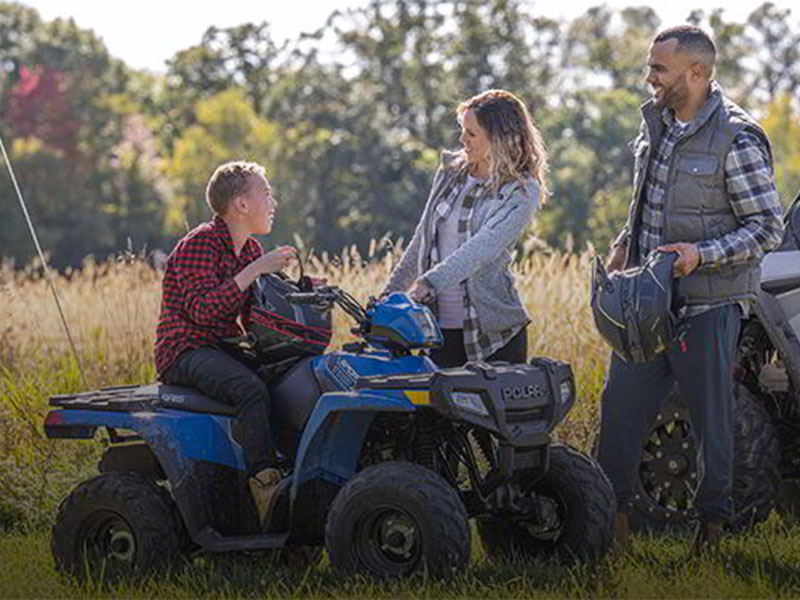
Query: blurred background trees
pixel 350 120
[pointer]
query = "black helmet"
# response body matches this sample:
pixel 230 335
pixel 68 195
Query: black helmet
pixel 637 310
pixel 282 330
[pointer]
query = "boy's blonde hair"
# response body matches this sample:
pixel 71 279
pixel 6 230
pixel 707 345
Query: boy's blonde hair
pixel 230 180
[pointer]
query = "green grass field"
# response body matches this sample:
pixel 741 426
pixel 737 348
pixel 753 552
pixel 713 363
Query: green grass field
pixel 760 565
pixel 112 309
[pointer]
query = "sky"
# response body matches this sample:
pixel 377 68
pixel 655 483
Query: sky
pixel 145 33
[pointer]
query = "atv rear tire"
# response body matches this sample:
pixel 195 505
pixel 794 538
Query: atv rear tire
pixel 579 501
pixel 395 518
pixel 667 476
pixel 117 524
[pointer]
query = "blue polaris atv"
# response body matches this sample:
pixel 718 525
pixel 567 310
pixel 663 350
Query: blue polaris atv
pixel 386 458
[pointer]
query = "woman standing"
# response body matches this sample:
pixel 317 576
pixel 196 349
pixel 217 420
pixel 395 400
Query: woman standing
pixel 482 199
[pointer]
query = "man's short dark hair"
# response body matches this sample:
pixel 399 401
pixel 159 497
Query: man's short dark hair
pixel 692 40
pixel 228 181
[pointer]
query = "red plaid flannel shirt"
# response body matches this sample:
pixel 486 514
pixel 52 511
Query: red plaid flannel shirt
pixel 200 301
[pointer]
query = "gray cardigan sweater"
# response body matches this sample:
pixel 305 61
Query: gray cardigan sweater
pixel 483 261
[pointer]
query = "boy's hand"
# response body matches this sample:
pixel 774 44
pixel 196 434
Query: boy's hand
pixel 268 263
pixel 276 260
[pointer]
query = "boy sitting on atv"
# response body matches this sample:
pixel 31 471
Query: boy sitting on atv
pixel 205 291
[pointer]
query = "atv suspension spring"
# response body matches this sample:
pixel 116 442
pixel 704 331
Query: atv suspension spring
pixel 485 447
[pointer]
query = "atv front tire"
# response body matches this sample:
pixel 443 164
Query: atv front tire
pixel 116 524
pixel 578 505
pixel 396 518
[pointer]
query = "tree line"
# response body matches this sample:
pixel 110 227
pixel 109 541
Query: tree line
pixel 349 120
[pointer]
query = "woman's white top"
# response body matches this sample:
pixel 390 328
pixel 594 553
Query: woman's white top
pixel 451 300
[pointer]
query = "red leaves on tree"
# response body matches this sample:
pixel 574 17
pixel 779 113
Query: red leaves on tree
pixel 39 107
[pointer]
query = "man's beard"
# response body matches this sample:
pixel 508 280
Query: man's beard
pixel 674 96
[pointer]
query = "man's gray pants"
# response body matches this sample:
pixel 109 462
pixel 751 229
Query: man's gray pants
pixel 635 393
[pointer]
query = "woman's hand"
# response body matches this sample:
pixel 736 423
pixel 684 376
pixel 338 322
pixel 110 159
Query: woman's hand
pixel 422 291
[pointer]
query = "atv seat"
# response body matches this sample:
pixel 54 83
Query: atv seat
pixel 292 397
pixel 181 397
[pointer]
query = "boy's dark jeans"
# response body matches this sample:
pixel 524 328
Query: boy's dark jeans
pixel 635 393
pixel 219 375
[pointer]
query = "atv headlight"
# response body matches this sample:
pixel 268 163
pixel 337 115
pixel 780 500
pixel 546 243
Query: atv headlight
pixel 432 335
pixel 470 401
pixel 564 401
pixel 566 392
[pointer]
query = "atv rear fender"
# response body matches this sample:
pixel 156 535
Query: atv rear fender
pixel 195 453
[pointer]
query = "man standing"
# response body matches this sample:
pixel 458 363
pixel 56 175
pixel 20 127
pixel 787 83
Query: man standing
pixel 204 292
pixel 703 188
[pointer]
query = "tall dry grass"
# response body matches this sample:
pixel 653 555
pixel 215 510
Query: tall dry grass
pixel 112 309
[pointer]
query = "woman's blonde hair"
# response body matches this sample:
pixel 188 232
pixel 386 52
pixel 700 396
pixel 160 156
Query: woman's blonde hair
pixel 517 150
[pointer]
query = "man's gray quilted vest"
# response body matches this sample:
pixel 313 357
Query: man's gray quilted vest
pixel 697 207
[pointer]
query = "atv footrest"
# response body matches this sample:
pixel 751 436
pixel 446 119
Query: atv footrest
pixel 211 541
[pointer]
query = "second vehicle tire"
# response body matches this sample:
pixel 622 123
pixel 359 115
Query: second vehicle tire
pixel 667 475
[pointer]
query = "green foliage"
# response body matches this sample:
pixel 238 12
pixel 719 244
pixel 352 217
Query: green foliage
pixel 36 474
pixel 782 124
pixel 349 120
pixel 225 128
pixel 591 166
pixel 65 134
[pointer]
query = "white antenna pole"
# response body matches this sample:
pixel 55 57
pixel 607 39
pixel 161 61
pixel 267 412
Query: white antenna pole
pixel 47 275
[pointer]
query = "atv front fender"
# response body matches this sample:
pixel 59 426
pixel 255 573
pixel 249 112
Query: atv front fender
pixel 332 439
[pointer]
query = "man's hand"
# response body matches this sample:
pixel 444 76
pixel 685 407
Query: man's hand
pixel 422 291
pixel 688 257
pixel 617 259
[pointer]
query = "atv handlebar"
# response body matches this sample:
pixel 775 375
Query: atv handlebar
pixel 306 298
pixel 326 296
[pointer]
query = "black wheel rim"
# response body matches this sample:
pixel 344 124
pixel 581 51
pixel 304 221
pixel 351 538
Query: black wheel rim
pixel 552 513
pixel 668 470
pixel 388 541
pixel 107 538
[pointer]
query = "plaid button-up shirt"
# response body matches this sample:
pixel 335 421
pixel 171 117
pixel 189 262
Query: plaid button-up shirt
pixel 200 301
pixel 751 190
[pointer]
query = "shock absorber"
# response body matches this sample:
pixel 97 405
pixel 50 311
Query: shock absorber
pixel 425 449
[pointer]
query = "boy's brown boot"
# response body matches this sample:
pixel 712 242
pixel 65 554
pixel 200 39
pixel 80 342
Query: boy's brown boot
pixel 263 486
